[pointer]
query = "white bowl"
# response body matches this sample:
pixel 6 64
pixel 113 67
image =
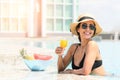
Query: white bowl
pixel 37 65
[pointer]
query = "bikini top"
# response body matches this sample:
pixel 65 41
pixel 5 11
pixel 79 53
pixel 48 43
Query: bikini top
pixel 96 64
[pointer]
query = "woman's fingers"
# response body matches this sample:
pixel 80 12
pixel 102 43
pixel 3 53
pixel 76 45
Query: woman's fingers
pixel 59 50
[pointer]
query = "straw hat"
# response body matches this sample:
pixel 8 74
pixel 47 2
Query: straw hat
pixel 83 18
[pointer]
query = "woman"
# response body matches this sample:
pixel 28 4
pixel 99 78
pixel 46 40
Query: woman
pixel 85 56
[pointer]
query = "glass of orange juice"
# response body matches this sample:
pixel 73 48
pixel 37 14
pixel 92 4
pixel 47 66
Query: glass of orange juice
pixel 63 43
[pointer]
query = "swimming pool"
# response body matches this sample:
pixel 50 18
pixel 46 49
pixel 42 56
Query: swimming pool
pixel 111 55
pixel 109 51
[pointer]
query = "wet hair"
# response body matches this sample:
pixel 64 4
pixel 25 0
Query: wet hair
pixel 78 26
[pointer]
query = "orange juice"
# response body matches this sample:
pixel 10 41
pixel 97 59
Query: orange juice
pixel 63 43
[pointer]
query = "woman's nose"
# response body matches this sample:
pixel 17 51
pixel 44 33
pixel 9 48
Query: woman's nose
pixel 88 28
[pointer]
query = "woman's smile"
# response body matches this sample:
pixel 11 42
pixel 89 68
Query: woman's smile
pixel 87 34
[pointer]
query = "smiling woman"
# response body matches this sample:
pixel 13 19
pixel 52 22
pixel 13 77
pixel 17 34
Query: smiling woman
pixel 85 56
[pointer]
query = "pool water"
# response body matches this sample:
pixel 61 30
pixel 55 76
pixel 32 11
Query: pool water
pixel 109 50
pixel 111 55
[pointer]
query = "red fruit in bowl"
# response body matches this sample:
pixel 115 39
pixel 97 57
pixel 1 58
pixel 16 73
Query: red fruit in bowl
pixel 42 57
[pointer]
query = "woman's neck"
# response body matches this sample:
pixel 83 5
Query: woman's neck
pixel 84 42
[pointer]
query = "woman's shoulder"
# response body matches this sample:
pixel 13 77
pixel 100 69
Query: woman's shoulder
pixel 74 45
pixel 92 43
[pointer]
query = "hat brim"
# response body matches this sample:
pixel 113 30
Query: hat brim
pixel 74 25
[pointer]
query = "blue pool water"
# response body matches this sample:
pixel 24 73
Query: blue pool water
pixel 111 55
pixel 109 51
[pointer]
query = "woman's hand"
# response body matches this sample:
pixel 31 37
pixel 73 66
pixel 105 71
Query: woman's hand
pixel 59 50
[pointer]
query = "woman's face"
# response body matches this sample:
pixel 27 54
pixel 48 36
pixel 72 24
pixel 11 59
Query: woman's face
pixel 86 29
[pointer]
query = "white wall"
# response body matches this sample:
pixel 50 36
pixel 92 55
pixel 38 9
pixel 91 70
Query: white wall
pixel 106 12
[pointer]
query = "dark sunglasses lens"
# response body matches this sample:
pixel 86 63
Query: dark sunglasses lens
pixel 84 26
pixel 92 27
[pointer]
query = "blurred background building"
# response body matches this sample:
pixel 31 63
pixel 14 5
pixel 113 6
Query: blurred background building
pixel 41 18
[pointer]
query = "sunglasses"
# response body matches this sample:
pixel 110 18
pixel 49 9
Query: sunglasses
pixel 91 26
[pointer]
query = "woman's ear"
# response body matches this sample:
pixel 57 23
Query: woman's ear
pixel 78 30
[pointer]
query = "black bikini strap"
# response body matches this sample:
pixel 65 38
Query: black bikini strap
pixel 76 49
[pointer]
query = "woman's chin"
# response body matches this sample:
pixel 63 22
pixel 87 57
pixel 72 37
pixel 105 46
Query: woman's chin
pixel 87 37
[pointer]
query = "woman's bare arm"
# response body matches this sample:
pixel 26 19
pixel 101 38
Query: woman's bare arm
pixel 64 61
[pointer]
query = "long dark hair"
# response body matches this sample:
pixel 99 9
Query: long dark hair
pixel 78 26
